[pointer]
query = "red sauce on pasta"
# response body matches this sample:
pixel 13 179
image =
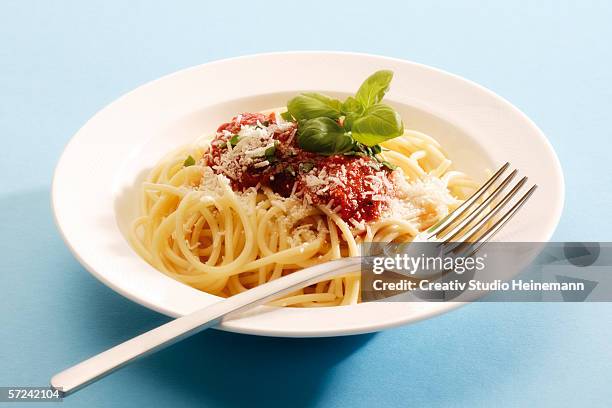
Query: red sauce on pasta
pixel 267 153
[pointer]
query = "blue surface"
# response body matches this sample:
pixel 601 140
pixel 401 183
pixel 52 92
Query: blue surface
pixel 60 62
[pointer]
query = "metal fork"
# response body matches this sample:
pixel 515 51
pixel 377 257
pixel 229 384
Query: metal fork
pixel 468 230
pixel 461 227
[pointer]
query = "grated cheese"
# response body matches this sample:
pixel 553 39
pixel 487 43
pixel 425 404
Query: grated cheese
pixel 253 141
pixel 399 198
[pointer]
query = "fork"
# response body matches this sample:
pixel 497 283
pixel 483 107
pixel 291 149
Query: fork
pixel 470 233
pixel 468 229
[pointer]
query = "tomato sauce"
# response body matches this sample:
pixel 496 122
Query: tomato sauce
pixel 357 187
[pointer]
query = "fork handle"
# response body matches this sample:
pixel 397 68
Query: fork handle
pixel 100 365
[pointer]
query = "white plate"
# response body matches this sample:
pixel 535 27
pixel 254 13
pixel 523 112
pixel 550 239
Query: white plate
pixel 94 195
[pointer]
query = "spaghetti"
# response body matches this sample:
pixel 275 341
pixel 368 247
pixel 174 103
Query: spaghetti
pixel 249 206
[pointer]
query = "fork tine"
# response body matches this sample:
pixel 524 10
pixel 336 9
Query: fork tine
pixel 499 224
pixel 471 233
pixel 448 236
pixel 459 211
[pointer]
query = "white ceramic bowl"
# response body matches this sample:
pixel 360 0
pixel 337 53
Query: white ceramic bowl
pixel 94 188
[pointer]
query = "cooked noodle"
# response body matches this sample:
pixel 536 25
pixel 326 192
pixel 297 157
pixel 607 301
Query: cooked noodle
pixel 195 228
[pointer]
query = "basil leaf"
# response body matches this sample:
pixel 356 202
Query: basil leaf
pixel 189 161
pixel 352 109
pixel 374 88
pixel 287 116
pixel 270 151
pixel 379 123
pixel 348 121
pixel 352 106
pixel 313 105
pixel 323 135
pixel 306 167
pixel 234 140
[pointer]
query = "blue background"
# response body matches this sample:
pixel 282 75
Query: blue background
pixel 61 61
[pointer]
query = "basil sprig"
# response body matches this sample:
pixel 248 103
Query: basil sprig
pixel 380 122
pixel 365 119
pixel 374 88
pixel 324 135
pixel 311 105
